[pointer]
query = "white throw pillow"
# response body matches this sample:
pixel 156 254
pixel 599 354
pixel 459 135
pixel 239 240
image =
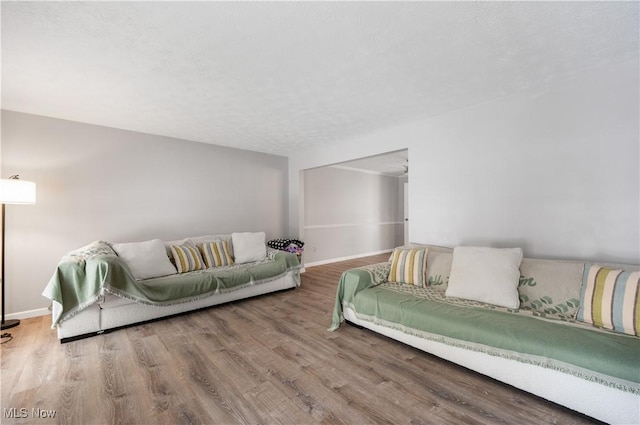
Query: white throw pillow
pixel 145 259
pixel 488 275
pixel 249 247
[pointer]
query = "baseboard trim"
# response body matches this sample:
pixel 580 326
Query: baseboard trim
pixel 29 314
pixel 350 257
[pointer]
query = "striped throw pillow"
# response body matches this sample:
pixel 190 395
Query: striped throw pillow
pixel 409 266
pixel 217 253
pixel 610 299
pixel 187 258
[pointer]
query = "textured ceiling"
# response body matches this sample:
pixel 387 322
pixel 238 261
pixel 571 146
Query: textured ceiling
pixel 278 77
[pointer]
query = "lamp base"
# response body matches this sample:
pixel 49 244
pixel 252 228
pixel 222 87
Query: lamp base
pixel 9 324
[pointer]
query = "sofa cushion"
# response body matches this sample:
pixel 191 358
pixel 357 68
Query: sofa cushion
pixel 145 259
pixel 439 268
pixel 550 287
pixel 438 263
pixel 197 240
pixel 216 253
pixel 249 246
pixel 187 258
pixel 610 299
pixel 485 274
pixel 409 266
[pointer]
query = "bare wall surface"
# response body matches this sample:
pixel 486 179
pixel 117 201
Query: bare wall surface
pixel 349 213
pixel 99 183
pixel 554 170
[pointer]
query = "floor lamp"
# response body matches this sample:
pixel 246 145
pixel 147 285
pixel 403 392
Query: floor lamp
pixel 13 191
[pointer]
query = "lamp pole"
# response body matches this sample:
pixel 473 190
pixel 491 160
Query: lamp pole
pixel 13 191
pixel 6 324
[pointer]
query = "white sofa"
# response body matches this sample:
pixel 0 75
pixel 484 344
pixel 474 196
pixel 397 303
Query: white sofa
pixel 94 290
pixel 550 293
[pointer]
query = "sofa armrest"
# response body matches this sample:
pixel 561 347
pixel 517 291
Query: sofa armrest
pixel 77 281
pixel 353 281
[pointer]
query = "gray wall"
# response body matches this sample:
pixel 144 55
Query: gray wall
pixel 555 170
pixel 99 183
pixel 349 213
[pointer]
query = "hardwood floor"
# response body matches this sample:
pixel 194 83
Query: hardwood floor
pixel 267 360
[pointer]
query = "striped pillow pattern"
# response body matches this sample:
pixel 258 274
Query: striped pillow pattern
pixel 217 253
pixel 610 299
pixel 187 258
pixel 409 266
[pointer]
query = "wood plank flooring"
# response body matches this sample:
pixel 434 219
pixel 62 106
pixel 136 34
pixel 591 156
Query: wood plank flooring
pixel 267 360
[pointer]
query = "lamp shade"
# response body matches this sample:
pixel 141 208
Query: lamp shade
pixel 15 191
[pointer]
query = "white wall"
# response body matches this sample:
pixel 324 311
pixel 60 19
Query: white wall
pixel 348 213
pixel 99 183
pixel 555 171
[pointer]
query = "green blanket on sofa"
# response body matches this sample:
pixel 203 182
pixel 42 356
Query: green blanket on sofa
pixel 83 276
pixel 581 350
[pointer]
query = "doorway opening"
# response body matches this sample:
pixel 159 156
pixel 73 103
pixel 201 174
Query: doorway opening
pixel 355 208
